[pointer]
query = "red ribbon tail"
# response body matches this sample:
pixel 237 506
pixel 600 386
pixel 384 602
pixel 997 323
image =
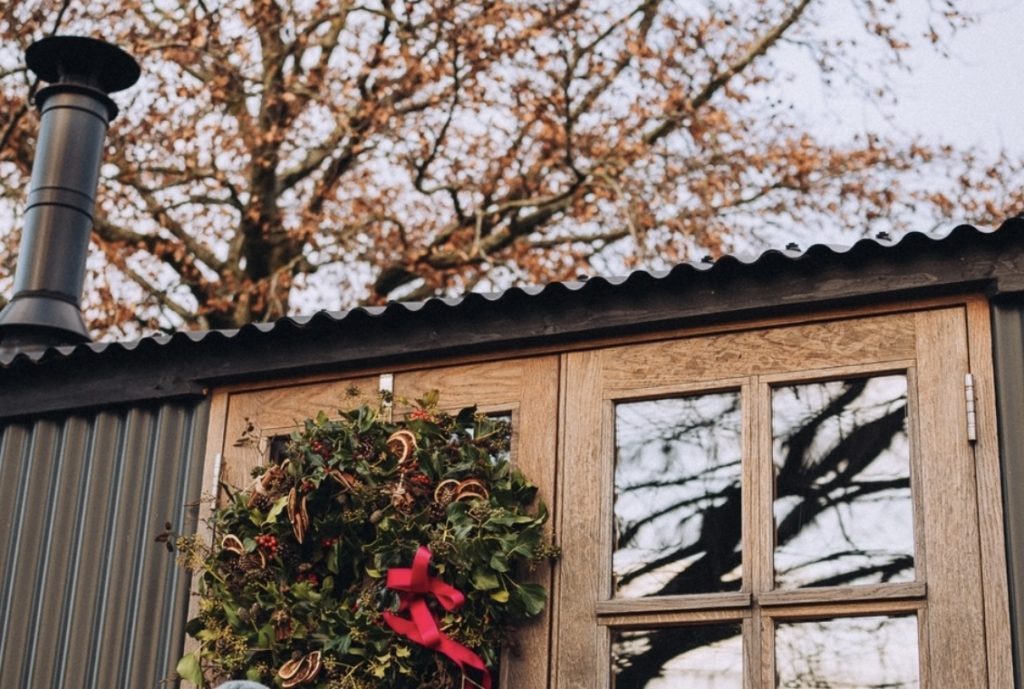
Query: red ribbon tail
pixel 413 584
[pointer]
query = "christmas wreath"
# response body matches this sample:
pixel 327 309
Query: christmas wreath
pixel 372 554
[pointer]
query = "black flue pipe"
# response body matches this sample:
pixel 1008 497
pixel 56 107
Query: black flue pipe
pixel 75 111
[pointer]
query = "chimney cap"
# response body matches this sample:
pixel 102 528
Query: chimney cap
pixel 87 61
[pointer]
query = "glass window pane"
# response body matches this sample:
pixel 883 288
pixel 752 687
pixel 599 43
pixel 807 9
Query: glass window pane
pixel 694 657
pixel 677 496
pixel 848 653
pixel 843 511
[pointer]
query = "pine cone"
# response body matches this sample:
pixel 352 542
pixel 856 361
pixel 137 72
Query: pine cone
pixel 437 512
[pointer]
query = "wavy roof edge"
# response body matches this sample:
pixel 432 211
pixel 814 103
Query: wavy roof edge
pixel 791 254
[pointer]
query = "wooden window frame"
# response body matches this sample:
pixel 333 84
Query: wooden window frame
pixel 955 508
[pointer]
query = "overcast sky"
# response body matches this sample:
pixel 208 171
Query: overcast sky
pixel 974 97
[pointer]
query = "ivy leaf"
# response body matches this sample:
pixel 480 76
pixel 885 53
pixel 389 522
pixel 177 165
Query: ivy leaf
pixel 499 563
pixel 188 668
pixel 339 644
pixel 230 613
pixel 265 636
pixel 194 626
pixel 484 580
pixel 533 597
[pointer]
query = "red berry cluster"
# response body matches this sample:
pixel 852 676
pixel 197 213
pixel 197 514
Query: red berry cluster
pixel 319 447
pixel 312 578
pixel 420 479
pixel 268 542
pixel 420 415
pixel 328 542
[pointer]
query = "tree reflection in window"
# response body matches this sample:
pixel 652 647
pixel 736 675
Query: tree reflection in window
pixel 708 657
pixel 848 653
pixel 677 495
pixel 841 452
pixel 843 512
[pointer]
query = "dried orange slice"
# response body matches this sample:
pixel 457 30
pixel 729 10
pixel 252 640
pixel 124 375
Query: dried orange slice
pixel 472 489
pixel 232 544
pixel 401 444
pixel 446 491
pixel 290 669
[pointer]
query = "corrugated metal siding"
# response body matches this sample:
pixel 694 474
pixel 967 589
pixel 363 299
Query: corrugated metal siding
pixel 87 597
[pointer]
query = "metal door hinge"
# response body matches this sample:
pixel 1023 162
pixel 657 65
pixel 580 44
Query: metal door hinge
pixel 386 389
pixel 972 419
pixel 218 462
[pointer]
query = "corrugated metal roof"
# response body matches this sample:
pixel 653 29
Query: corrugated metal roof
pixel 88 598
pixel 775 283
pixel 684 271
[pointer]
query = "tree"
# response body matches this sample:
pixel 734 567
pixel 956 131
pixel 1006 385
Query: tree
pixel 279 157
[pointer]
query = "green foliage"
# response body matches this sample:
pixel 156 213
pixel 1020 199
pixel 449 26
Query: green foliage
pixel 300 559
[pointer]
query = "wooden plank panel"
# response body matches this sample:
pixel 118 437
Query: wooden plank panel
pixel 536 443
pixel 583 481
pixel 759 540
pixel 212 468
pixel 488 385
pixel 274 411
pixel 956 629
pixel 529 389
pixel 990 498
pixel 817 345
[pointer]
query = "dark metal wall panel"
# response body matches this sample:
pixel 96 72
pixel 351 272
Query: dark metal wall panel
pixel 1008 360
pixel 88 598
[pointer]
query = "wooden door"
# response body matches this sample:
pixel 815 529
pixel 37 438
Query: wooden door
pixel 789 506
pixel 524 389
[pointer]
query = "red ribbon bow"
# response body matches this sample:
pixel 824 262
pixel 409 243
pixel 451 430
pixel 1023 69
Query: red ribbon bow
pixel 413 584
